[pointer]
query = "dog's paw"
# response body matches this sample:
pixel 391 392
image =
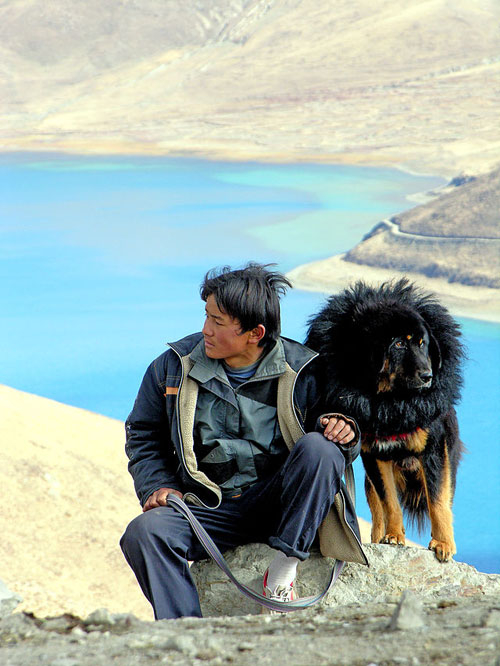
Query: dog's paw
pixel 443 550
pixel 394 538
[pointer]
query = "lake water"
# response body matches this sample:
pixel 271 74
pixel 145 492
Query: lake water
pixel 101 260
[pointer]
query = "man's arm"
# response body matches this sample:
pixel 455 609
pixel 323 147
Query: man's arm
pixel 338 428
pixel 152 461
pixel 344 432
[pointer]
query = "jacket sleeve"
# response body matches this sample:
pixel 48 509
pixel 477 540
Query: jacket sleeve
pixel 152 461
pixel 313 409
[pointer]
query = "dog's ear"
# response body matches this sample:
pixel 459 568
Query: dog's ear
pixel 434 351
pixel 385 361
pixel 379 356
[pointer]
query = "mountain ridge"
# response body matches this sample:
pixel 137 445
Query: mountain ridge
pixel 280 80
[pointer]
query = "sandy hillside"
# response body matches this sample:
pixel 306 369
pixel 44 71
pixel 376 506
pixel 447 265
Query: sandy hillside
pixel 67 499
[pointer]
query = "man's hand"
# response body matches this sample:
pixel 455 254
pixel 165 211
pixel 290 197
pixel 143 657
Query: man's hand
pixel 159 498
pixel 337 430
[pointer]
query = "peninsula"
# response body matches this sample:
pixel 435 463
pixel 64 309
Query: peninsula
pixel 449 245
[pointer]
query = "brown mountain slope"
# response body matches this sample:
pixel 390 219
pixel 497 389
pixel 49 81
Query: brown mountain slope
pixel 456 237
pixel 67 498
pixel 396 81
pixel 470 209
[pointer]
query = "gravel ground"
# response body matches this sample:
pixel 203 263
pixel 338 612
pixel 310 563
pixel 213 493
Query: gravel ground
pixel 462 630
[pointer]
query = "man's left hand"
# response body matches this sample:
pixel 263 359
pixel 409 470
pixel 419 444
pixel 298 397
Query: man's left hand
pixel 337 430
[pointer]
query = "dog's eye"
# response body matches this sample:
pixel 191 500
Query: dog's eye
pixel 421 342
pixel 399 344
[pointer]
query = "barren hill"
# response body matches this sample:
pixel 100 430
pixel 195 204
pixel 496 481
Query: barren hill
pixel 450 246
pixel 408 82
pixel 456 237
pixel 67 498
pixel 468 208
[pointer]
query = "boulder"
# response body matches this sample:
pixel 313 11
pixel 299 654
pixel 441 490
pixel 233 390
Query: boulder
pixel 392 570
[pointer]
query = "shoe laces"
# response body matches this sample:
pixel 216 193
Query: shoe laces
pixel 280 593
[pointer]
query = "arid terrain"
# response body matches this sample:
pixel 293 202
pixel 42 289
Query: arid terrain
pixel 399 82
pixel 449 246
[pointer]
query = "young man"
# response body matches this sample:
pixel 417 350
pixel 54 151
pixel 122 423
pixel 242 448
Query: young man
pixel 230 420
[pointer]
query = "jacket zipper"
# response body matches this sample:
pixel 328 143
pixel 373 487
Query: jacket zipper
pixel 181 443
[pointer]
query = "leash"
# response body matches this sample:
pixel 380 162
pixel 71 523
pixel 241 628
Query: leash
pixel 272 604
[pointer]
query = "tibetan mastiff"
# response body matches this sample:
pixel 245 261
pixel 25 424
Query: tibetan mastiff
pixel 391 358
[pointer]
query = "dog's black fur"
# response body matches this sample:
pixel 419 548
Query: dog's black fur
pixel 391 358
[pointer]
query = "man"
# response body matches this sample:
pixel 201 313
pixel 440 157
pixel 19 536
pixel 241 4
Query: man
pixel 228 420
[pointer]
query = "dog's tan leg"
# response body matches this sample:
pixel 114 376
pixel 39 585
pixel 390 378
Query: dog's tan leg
pixel 394 529
pixel 378 523
pixel 440 513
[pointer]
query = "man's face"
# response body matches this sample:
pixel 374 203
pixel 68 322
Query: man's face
pixel 225 340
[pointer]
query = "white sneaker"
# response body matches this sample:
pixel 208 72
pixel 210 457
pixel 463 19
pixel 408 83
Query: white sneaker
pixel 280 593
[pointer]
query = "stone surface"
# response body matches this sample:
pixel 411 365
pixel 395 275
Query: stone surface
pixel 406 608
pixel 8 600
pixel 392 570
pixel 458 631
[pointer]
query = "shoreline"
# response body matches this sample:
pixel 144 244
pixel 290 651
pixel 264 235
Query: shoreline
pixel 368 160
pixel 334 274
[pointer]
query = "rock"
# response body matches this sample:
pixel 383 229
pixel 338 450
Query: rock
pixel 493 618
pixel 17 627
pixel 100 617
pixel 409 614
pixel 8 600
pixel 392 570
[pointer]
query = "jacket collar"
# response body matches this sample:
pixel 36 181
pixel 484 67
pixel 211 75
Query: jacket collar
pixel 204 368
pixel 295 354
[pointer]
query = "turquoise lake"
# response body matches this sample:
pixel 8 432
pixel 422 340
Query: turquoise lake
pixel 101 260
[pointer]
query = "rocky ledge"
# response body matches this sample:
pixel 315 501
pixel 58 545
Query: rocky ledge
pixel 406 608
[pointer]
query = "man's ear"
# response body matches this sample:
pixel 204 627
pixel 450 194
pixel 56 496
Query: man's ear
pixel 256 334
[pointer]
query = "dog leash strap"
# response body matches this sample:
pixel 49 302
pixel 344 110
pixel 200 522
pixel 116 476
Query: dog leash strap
pixel 208 544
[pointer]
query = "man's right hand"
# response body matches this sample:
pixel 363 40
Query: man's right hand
pixel 159 498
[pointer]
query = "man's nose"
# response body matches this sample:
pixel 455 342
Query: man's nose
pixel 206 330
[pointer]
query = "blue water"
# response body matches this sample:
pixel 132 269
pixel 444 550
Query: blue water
pixel 101 260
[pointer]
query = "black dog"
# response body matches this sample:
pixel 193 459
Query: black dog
pixel 391 358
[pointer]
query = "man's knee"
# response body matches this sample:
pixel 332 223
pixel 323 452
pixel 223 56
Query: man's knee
pixel 146 527
pixel 314 449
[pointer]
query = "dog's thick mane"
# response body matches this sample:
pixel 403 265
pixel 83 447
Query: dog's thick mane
pixel 350 332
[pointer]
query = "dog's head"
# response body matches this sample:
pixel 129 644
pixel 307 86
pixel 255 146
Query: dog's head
pixel 391 338
pixel 410 357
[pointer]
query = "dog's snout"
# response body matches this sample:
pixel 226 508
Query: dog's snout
pixel 425 376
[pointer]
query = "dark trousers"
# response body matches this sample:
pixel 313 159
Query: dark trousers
pixel 284 511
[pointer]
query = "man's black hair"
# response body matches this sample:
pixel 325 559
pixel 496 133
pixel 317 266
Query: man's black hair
pixel 250 294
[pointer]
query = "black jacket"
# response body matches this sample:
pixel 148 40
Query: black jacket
pixel 160 444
